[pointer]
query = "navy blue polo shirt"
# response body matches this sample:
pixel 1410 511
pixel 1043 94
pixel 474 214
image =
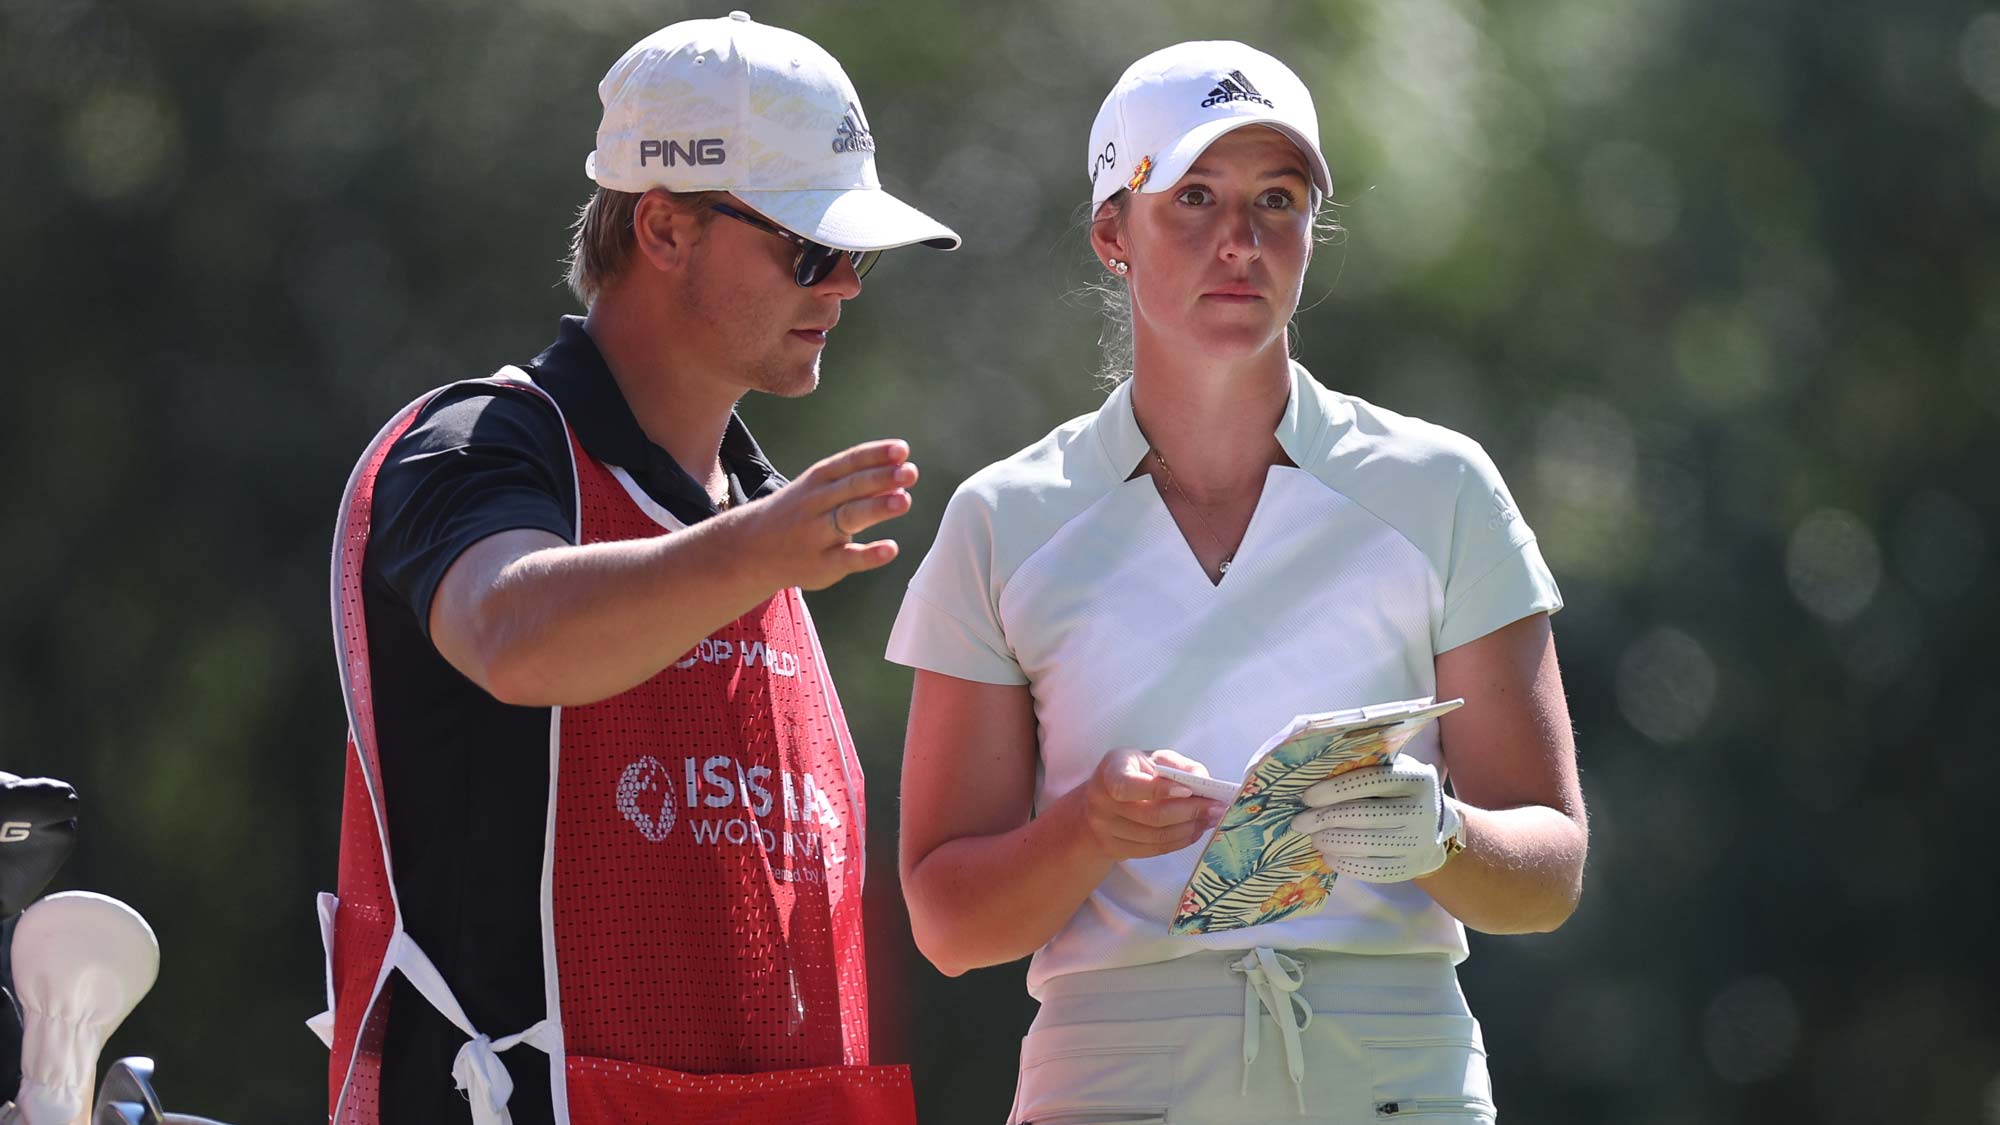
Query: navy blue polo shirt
pixel 466 776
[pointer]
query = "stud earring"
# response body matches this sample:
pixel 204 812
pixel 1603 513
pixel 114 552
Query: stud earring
pixel 1118 267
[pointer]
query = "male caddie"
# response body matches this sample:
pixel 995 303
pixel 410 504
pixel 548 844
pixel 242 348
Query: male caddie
pixel 601 851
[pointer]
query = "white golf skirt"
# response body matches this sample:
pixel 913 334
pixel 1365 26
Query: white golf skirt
pixel 1262 1036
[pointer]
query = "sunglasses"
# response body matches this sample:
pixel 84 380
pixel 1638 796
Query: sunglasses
pixel 815 262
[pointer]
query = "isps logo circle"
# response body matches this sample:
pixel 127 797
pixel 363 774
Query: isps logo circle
pixel 646 798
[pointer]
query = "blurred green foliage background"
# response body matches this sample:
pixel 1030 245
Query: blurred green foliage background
pixel 1717 284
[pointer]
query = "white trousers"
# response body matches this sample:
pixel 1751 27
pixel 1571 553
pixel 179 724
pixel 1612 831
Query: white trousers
pixel 1252 1037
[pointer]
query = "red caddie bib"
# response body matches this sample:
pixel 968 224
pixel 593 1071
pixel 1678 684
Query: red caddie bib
pixel 701 884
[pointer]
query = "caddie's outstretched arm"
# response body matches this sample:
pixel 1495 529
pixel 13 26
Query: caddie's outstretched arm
pixel 537 622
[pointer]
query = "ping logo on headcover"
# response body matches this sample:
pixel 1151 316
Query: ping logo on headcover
pixel 15 831
pixel 707 150
pixel 1234 88
pixel 852 135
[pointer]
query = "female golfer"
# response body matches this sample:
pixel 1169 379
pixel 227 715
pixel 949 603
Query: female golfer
pixel 1225 544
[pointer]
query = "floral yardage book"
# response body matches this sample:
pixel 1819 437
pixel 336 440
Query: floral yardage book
pixel 1255 869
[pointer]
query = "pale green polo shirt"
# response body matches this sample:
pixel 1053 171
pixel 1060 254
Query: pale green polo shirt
pixel 1391 541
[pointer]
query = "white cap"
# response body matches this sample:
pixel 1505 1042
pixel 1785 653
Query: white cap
pixel 1174 103
pixel 739 106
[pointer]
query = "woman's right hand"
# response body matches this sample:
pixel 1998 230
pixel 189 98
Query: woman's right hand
pixel 1132 812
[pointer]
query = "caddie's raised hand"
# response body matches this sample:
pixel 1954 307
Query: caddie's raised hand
pixel 1133 812
pixel 804 532
pixel 1381 824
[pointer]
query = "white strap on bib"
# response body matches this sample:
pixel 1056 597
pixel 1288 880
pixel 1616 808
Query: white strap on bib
pixel 480 1075
pixel 327 906
pixel 477 1070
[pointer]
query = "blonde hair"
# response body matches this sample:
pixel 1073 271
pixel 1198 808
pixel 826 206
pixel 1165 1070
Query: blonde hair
pixel 601 239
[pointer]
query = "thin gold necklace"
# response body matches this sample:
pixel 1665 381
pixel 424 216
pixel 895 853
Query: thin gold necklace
pixel 1228 556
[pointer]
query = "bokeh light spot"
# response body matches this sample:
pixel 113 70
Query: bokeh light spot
pixel 1979 57
pixel 1586 454
pixel 1833 565
pixel 1666 685
pixel 1630 194
pixel 122 143
pixel 1593 49
pixel 1722 355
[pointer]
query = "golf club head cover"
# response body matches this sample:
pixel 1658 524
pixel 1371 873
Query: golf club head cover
pixel 82 961
pixel 10 1038
pixel 37 832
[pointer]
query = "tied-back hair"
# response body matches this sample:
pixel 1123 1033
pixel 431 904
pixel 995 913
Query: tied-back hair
pixel 601 239
pixel 1114 297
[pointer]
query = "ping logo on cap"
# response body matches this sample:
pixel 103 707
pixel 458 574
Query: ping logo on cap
pixel 1108 158
pixel 852 135
pixel 1234 88
pixel 707 150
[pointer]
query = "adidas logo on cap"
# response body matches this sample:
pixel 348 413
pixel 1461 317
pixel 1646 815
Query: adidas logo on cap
pixel 852 135
pixel 1174 102
pixel 1234 88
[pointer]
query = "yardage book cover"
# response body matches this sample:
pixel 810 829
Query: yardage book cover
pixel 1255 869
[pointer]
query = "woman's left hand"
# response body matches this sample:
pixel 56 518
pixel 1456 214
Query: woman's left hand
pixel 1381 824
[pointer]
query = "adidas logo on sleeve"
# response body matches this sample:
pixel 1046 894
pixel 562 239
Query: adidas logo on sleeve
pixel 1234 87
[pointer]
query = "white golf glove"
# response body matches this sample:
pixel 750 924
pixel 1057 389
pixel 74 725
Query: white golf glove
pixel 1382 824
pixel 81 962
